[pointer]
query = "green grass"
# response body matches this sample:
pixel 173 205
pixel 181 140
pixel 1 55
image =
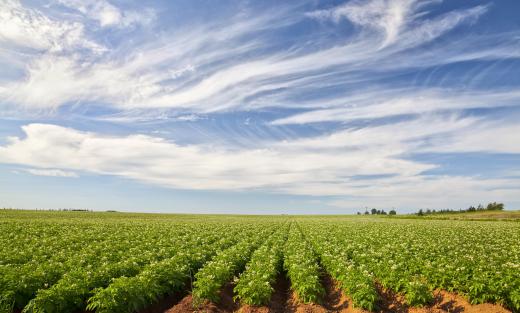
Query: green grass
pixel 479 215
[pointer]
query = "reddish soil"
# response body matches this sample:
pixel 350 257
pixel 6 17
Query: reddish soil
pixel 279 302
pixel 453 303
pixel 444 302
pixel 226 304
pixel 164 304
pixel 283 300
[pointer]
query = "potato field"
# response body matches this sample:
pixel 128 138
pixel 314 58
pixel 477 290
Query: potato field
pixel 118 262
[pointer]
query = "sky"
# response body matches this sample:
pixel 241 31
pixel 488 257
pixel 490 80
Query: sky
pixel 259 107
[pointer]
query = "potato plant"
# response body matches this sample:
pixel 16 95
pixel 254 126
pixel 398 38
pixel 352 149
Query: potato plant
pixel 480 260
pixel 358 284
pixel 255 285
pixel 229 262
pixel 113 262
pixel 129 294
pixel 302 267
pixel 107 247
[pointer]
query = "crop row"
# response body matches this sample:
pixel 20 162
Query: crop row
pixel 22 281
pixel 128 294
pixel 302 268
pixel 355 281
pixel 124 264
pixel 255 285
pixel 210 279
pixel 478 260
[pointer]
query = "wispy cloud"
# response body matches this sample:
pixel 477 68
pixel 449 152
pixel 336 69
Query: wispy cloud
pixel 22 27
pixel 225 72
pixel 155 160
pixel 382 16
pixel 109 15
pixel 436 192
pixel 380 103
pixel 397 22
pixel 347 92
pixel 51 172
pixel 325 165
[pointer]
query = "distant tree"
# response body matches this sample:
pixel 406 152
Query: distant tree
pixel 383 212
pixel 434 211
pixel 420 213
pixel 495 206
pixel 472 209
pixel 428 211
pixel 358 213
pixel 392 212
pixel 373 211
pixel 366 212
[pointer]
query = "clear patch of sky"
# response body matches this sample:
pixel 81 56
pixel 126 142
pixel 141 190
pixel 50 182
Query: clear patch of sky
pixel 483 165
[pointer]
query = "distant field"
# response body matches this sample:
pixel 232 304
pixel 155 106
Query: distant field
pixel 118 262
pixel 481 215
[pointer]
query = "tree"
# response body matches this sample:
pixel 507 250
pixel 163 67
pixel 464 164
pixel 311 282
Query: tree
pixel 392 212
pixel 495 206
pixel 420 213
pixel 373 211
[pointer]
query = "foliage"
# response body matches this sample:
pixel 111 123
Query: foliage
pixel 355 280
pixel 214 274
pixel 129 294
pixel 480 260
pixel 254 287
pixel 301 265
pixel 493 206
pixel 114 262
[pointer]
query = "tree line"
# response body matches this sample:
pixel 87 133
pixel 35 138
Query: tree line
pixel 492 206
pixel 378 212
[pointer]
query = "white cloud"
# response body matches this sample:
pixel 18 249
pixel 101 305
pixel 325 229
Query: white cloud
pixel 51 172
pixel 325 165
pixel 233 65
pixel 23 27
pixel 213 67
pixel 397 21
pixel 424 192
pixel 395 138
pixel 108 15
pixel 486 137
pixel 385 16
pixel 190 118
pixel 384 102
pixel 155 160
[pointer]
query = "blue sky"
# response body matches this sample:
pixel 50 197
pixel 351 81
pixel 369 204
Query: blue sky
pixel 259 106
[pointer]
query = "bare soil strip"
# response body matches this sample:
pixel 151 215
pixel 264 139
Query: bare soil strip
pixel 280 300
pixel 164 304
pixel 444 302
pixel 284 300
pixel 226 304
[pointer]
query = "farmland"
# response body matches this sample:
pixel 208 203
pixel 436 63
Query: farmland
pixel 117 262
